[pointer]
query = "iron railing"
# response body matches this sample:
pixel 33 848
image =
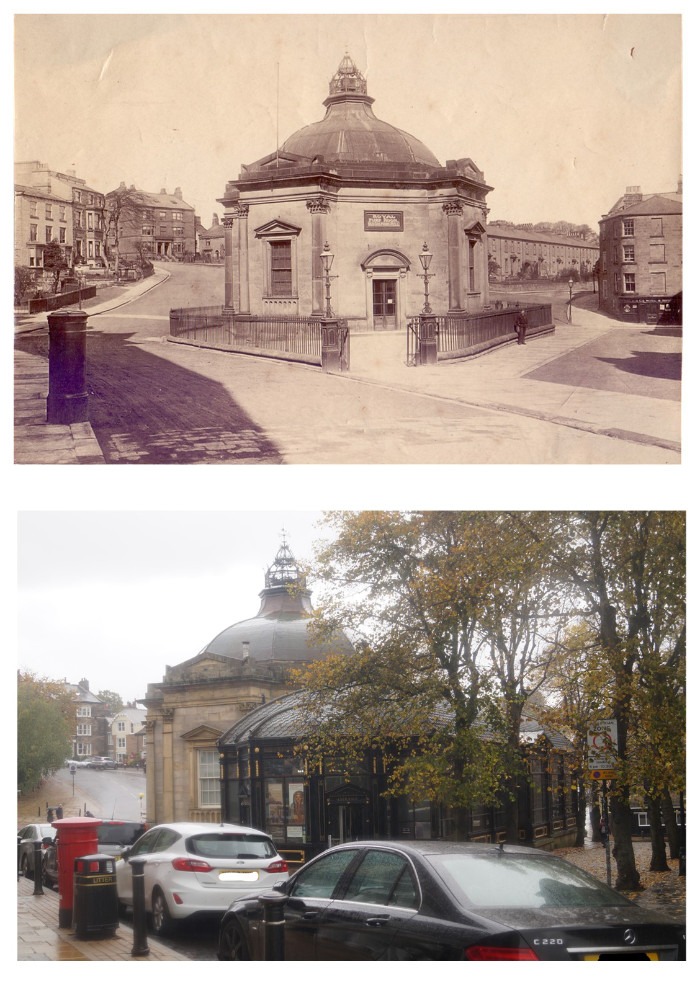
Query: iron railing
pixel 463 334
pixel 297 336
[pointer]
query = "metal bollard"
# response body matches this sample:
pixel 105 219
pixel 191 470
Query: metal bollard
pixel 38 886
pixel 273 926
pixel 67 401
pixel 140 945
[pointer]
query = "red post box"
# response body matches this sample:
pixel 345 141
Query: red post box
pixel 76 837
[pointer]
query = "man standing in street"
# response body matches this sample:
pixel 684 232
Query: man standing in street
pixel 521 325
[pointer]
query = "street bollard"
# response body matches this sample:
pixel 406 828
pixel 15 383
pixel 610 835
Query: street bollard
pixel 67 400
pixel 38 886
pixel 19 861
pixel 273 926
pixel 140 945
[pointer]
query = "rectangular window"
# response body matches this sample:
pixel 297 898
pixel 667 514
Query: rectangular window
pixel 33 233
pixel 97 250
pixel 48 211
pixel 90 221
pixel 281 269
pixel 657 226
pixel 177 216
pixel 121 743
pixel 629 286
pixel 121 726
pixel 628 253
pixel 79 219
pixel 33 212
pixel 84 729
pixel 658 284
pixel 472 268
pixel 83 749
pixel 657 252
pixel 62 235
pixel 628 226
pixel 49 232
pixel 147 230
pixel 84 711
pixel 209 783
pixel 62 213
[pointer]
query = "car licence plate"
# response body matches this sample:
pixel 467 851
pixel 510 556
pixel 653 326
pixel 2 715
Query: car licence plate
pixel 239 875
pixel 638 956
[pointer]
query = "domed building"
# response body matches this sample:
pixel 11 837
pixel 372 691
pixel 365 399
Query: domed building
pixel 370 194
pixel 244 667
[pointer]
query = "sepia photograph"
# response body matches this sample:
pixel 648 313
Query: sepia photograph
pixel 325 238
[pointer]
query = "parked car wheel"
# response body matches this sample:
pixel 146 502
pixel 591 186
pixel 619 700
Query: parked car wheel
pixel 232 947
pixel 160 915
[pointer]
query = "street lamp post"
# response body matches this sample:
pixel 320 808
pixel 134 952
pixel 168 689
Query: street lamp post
pixel 327 258
pixel 425 260
pixel 571 287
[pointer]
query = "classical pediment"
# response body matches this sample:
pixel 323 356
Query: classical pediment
pixel 203 732
pixel 276 228
pixel 476 228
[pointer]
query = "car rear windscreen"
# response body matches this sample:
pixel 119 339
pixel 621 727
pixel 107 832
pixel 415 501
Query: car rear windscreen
pixel 231 845
pixel 119 833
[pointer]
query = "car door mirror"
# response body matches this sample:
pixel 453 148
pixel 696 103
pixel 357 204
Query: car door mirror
pixel 280 886
pixel 125 853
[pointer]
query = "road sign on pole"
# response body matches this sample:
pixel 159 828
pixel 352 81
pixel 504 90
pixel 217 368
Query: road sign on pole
pixel 602 750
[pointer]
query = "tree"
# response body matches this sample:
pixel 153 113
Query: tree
pixel 24 278
pixel 55 261
pixel 628 569
pixel 112 700
pixel 45 718
pixel 125 217
pixel 449 610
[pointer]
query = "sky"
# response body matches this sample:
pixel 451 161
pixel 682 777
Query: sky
pixel 560 111
pixel 116 596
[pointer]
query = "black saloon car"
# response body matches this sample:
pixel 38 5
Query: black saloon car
pixel 440 901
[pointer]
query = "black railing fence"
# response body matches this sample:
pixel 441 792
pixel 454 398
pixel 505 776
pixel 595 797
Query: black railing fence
pixel 463 334
pixel 295 336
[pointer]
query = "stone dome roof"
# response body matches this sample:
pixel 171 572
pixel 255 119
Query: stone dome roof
pixel 279 631
pixel 351 133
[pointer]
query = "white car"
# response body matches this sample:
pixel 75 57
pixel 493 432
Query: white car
pixel 196 870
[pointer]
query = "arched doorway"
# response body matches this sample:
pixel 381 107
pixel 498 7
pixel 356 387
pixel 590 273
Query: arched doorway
pixel 385 281
pixel 347 814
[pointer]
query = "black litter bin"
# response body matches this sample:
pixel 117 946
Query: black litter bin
pixel 95 901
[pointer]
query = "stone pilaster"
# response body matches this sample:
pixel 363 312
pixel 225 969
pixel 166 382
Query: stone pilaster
pixel 229 263
pixel 241 213
pixel 319 208
pixel 455 254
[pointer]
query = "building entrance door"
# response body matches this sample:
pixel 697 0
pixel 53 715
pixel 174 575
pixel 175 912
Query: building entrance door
pixel 384 304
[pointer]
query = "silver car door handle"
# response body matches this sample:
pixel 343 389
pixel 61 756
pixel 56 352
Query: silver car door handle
pixel 377 921
pixel 310 915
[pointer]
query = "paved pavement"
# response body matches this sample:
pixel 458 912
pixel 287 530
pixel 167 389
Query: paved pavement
pixel 40 939
pixel 510 383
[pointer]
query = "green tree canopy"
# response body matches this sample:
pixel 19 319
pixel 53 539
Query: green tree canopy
pixel 113 701
pixel 45 721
